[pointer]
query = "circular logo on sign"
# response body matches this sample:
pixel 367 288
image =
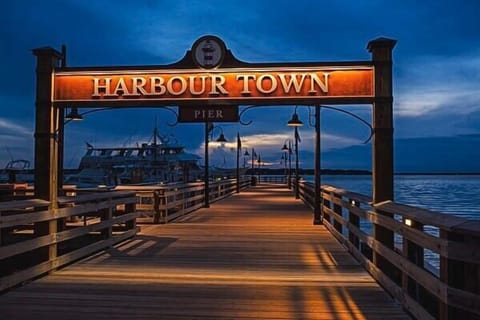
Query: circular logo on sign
pixel 208 52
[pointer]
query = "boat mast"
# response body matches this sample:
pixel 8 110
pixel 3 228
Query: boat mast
pixel 155 133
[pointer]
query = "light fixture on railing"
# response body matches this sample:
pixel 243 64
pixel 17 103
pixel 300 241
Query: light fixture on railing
pixel 408 222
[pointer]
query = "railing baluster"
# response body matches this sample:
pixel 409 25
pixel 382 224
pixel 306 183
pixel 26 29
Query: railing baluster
pixel 338 210
pixel 355 221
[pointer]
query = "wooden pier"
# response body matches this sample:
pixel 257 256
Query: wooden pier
pixel 255 255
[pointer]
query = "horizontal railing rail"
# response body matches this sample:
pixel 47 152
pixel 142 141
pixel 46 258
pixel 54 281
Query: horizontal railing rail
pixel 37 237
pixel 275 179
pixel 165 203
pixel 431 265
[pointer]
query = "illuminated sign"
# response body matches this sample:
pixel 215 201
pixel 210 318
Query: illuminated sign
pixel 229 86
pixel 208 114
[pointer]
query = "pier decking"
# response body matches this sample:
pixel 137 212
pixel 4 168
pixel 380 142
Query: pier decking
pixel 255 255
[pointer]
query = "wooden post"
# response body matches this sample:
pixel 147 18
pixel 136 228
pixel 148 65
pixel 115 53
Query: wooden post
pixel 460 274
pixel 355 221
pixel 382 171
pixel 414 253
pixel 106 215
pixel 46 144
pixel 129 208
pixel 338 210
pixel 207 174
pixel 61 131
pixel 326 203
pixel 156 207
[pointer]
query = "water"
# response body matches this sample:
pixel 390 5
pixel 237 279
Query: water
pixel 458 195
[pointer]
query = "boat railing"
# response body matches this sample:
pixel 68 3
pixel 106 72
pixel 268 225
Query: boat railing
pixel 428 261
pixel 37 237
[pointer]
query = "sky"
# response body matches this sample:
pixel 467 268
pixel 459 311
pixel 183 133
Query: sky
pixel 436 66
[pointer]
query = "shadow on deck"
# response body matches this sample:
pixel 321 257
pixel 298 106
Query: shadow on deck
pixel 255 255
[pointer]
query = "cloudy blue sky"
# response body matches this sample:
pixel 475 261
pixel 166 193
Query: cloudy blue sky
pixel 436 72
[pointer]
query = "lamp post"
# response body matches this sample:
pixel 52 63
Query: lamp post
pixel 254 156
pixel 295 123
pixel 259 167
pixel 239 148
pixel 209 127
pixel 289 151
pixel 318 208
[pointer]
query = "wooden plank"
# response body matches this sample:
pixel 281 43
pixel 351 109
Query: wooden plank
pixel 424 216
pixel 22 204
pixel 38 216
pixel 98 196
pixel 27 274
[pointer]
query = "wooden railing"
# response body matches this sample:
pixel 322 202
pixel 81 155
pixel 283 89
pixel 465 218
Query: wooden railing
pixel 432 263
pixel 36 237
pixel 168 202
pixel 280 179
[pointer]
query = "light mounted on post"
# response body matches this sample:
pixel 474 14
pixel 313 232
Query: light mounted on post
pixel 295 121
pixel 73 115
pixel 246 154
pixel 285 148
pixel 221 138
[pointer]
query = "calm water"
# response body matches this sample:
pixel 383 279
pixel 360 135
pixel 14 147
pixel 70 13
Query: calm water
pixel 456 195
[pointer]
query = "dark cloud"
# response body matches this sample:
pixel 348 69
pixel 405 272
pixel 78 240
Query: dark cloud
pixel 435 64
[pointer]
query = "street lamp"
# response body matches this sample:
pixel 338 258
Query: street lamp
pixel 245 155
pixel 209 128
pixel 239 149
pixel 289 151
pixel 259 166
pixel 295 123
pixel 254 156
pixel 73 115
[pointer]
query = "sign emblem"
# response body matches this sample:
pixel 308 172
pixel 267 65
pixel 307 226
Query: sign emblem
pixel 208 52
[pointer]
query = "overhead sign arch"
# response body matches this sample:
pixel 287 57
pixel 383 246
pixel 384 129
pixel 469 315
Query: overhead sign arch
pixel 210 75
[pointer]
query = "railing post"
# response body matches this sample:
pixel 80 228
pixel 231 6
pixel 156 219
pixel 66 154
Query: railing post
pixel 47 120
pixel 354 220
pixel 131 224
pixel 382 151
pixel 106 215
pixel 326 204
pixel 338 210
pixel 459 274
pixel 156 207
pixel 415 254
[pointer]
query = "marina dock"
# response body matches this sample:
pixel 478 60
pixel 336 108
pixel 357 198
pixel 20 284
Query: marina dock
pixel 254 255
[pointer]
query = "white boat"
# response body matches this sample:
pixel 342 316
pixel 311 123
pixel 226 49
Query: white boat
pixel 162 160
pixel 17 171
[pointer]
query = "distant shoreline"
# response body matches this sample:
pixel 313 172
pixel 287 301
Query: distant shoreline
pixel 265 171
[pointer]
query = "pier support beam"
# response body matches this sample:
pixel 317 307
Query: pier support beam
pixel 47 119
pixel 382 171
